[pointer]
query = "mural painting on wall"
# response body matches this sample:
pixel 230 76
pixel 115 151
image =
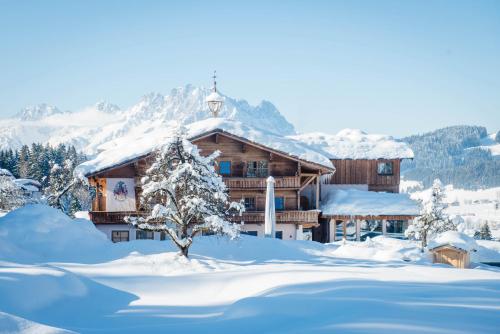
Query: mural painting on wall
pixel 120 194
pixel 120 191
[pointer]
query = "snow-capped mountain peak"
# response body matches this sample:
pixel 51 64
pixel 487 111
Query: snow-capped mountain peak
pixel 36 112
pixel 106 107
pixel 93 126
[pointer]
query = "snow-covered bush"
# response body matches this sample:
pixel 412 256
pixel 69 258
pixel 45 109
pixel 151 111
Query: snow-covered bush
pixel 432 220
pixel 11 196
pixel 183 195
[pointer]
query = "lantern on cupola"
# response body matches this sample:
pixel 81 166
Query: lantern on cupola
pixel 214 100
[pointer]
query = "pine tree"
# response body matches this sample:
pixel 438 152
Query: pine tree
pixel 23 162
pixel 184 195
pixel 484 233
pixel 432 220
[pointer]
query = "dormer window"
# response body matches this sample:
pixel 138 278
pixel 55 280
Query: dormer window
pixel 385 168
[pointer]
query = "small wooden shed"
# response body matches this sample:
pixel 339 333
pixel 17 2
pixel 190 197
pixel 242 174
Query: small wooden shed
pixel 450 254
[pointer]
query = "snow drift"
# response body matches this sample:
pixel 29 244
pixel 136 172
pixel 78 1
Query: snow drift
pixel 38 233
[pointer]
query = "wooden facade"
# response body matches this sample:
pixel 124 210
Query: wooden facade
pixel 451 255
pixel 291 175
pixel 364 171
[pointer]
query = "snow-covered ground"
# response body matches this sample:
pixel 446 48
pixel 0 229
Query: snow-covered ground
pixel 475 207
pixel 58 273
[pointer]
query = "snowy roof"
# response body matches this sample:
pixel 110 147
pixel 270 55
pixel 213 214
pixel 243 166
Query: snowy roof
pixel 354 202
pixel 356 144
pixel 214 96
pixel 134 146
pixel 455 239
pixel 28 184
pixel 5 172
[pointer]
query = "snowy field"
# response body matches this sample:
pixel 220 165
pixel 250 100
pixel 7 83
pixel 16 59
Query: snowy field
pixel 58 274
pixel 475 207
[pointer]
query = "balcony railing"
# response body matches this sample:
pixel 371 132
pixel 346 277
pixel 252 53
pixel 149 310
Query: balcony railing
pixel 293 217
pixel 281 217
pixel 260 182
pixel 104 217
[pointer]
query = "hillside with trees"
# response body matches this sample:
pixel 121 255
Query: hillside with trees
pixel 53 168
pixel 454 156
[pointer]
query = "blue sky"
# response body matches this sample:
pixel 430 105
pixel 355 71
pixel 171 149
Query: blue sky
pixel 396 67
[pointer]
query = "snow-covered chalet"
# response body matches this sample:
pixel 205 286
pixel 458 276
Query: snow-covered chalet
pixel 328 187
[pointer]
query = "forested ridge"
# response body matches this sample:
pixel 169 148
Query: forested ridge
pixel 452 155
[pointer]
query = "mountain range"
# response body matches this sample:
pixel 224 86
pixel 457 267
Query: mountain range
pixel 93 126
pixel 466 156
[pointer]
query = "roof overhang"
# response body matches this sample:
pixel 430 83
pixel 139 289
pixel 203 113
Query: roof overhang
pixel 321 168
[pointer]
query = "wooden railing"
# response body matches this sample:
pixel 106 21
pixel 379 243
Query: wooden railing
pixel 103 217
pixel 281 217
pixel 260 182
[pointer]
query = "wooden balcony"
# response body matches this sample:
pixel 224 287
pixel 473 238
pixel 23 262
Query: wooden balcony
pixel 104 217
pixel 260 182
pixel 282 217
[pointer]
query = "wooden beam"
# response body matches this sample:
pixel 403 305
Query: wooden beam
pixel 308 174
pixel 317 192
pixel 216 138
pixel 309 180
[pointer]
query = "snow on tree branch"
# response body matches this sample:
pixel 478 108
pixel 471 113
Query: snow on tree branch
pixel 182 195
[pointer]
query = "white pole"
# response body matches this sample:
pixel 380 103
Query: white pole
pixel 299 233
pixel 270 212
pixel 358 230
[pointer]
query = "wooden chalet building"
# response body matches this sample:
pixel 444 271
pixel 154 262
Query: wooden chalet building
pixel 320 194
pixel 244 166
pixel 313 199
pixel 362 200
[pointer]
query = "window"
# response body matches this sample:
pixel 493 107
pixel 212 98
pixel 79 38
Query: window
pixel 144 235
pixel 163 236
pixel 370 228
pixel 249 203
pixel 279 203
pixel 279 234
pixel 119 236
pixel 394 226
pixel 257 169
pixel 384 168
pixel 252 233
pixel 225 168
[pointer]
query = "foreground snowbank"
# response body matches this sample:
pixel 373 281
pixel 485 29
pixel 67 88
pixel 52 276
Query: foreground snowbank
pixel 248 285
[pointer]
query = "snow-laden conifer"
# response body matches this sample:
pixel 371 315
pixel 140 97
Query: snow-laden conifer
pixel 11 195
pixel 484 233
pixel 432 220
pixel 183 195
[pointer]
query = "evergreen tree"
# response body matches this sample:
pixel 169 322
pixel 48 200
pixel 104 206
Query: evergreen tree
pixel 484 233
pixel 183 194
pixel 23 162
pixel 11 196
pixel 432 220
